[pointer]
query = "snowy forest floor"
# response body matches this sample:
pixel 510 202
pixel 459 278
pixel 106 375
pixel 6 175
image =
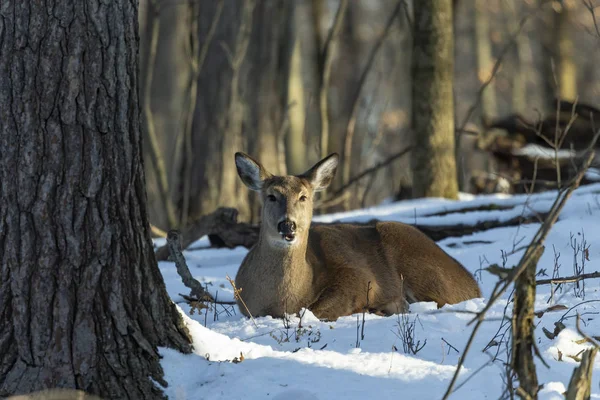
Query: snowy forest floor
pixel 329 360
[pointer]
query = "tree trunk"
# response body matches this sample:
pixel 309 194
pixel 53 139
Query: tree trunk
pixel 485 61
pixel 566 74
pixel 268 61
pixel 82 302
pixel 434 165
pixel 169 98
pixel 218 127
pixel 295 145
pixel 268 65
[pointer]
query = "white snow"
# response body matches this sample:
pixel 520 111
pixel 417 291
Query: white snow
pixel 322 360
pixel 544 152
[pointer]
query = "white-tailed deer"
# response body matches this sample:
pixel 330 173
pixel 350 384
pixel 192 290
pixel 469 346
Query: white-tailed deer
pixel 338 269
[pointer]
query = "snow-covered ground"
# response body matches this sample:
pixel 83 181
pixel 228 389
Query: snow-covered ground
pixel 324 360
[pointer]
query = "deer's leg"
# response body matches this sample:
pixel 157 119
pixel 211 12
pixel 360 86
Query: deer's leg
pixel 346 295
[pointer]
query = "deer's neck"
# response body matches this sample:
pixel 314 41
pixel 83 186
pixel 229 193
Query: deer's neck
pixel 287 264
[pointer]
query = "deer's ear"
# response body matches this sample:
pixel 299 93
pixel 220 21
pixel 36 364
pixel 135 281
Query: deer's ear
pixel 321 175
pixel 250 171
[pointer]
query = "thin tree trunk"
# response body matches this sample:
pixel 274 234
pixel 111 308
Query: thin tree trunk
pixel 434 165
pixel 523 58
pixel 82 302
pixel 219 113
pixel 295 145
pixel 155 152
pixel 165 99
pixel 485 62
pixel 566 73
pixel 230 186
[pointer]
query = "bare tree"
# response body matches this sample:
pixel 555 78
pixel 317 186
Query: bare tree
pixel 434 165
pixel 82 302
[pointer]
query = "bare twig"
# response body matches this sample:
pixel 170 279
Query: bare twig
pixel 237 294
pixel 568 279
pixel 341 191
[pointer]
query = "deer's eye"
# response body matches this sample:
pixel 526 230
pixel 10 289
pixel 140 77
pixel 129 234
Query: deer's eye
pixel 303 198
pixel 271 198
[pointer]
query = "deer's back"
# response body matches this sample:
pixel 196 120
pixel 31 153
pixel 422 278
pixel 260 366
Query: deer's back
pixel 387 253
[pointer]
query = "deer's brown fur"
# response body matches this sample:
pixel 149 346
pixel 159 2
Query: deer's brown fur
pixel 330 268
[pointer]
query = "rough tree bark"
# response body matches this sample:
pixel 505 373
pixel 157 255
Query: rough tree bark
pixel 434 164
pixel 82 302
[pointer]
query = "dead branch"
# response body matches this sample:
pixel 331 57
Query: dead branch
pixel 156 231
pixel 221 226
pixel 191 299
pixel 196 289
pixel 568 279
pixel 347 152
pixel 341 191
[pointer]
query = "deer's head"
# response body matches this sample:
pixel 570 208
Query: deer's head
pixel 287 200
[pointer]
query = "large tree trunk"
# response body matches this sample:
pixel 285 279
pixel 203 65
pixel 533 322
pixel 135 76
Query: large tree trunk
pixel 82 302
pixel 434 165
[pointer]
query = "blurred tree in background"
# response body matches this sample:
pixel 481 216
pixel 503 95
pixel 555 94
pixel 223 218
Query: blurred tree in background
pixel 434 163
pixel 291 81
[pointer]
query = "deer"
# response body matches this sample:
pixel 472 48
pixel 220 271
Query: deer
pixel 337 269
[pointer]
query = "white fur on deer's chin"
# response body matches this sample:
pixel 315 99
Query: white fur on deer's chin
pixel 281 242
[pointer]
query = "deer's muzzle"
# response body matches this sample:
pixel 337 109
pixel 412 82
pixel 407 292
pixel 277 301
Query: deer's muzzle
pixel 287 229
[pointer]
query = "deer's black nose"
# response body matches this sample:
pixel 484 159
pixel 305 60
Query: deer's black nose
pixel 286 227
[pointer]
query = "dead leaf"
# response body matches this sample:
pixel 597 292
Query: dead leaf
pixel 586 254
pixel 237 360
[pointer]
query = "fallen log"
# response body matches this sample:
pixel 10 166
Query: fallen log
pixel 221 227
